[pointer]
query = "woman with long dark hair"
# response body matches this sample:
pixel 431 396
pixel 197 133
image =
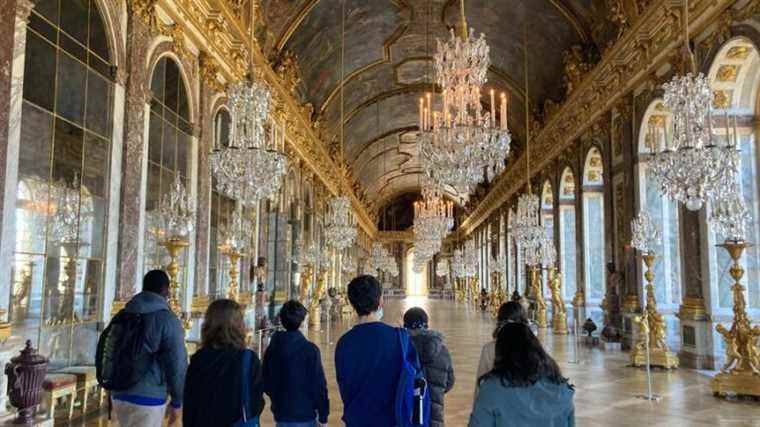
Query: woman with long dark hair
pixel 223 385
pixel 509 312
pixel 525 387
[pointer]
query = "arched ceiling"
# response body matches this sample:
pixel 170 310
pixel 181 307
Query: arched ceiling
pixel 388 48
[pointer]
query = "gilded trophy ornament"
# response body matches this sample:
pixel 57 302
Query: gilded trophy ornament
pixel 740 375
pixel 652 329
pixel 559 312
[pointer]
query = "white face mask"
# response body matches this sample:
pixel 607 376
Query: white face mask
pixel 379 314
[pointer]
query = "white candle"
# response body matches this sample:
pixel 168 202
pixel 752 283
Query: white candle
pixel 422 128
pixel 493 109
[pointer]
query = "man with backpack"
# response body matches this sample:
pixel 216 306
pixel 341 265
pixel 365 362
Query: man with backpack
pixel 377 368
pixel 141 357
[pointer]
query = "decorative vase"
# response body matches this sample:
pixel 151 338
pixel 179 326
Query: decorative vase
pixel 26 372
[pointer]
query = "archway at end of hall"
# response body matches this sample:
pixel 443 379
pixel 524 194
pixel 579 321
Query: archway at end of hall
pixel 416 282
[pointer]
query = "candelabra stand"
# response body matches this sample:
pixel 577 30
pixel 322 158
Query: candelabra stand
pixel 652 328
pixel 559 313
pixel 474 290
pixel 233 256
pixel 315 311
pixel 173 246
pixel 497 295
pixel 200 304
pixel 538 296
pixel 740 375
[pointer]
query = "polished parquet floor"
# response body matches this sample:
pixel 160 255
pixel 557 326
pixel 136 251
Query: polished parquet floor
pixel 606 388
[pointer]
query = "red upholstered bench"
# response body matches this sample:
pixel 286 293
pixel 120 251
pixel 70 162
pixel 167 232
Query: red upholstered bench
pixel 87 384
pixel 57 386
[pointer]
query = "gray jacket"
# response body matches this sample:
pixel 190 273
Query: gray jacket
pixel 439 372
pixel 165 338
pixel 543 404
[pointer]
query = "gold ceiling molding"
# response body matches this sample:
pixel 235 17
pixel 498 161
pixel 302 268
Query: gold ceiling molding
pixel 212 26
pixel 406 236
pixel 634 57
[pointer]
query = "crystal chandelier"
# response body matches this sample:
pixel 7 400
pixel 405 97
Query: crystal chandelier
pixel 177 211
pixel 247 170
pixel 382 260
pixel 543 254
pixel 308 255
pixel 433 215
pixel 457 264
pixel 462 144
pixel 693 168
pixel 498 264
pixel 646 235
pixel 470 259
pixel 442 268
pixel 340 230
pixel 234 234
pixel 729 217
pixel 70 213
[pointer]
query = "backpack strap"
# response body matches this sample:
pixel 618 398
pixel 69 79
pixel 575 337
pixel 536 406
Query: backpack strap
pixel 245 392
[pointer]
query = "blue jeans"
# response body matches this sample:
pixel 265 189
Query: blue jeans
pixel 305 424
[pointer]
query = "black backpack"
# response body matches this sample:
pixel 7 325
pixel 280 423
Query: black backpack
pixel 121 359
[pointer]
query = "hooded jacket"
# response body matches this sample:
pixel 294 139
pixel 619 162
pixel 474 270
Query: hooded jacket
pixel 165 338
pixel 439 372
pixel 213 386
pixel 544 404
pixel 294 379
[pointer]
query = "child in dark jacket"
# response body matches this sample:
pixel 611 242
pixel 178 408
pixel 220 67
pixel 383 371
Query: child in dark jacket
pixel 434 358
pixel 293 375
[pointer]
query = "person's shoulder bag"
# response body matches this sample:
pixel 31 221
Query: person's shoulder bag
pixel 247 419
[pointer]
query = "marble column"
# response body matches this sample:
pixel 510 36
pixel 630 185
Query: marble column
pixel 133 161
pixel 203 211
pixel 14 17
pixel 579 310
pixel 696 330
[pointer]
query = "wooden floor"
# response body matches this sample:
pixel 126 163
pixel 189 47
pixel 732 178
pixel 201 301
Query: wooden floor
pixel 606 388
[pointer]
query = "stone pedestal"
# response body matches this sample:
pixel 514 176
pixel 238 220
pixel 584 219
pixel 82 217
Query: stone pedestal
pixel 696 335
pixel 39 421
pixel 8 350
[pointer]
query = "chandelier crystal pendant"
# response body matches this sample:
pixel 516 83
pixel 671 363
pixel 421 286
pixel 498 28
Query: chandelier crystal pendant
pixel 461 143
pixel 340 229
pixel 247 170
pixel 457 264
pixel 470 259
pixel 177 211
pixel 693 167
pixel 234 234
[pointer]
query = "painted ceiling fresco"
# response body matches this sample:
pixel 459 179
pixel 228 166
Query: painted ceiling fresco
pixel 388 46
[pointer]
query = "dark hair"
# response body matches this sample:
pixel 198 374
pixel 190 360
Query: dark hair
pixel 223 325
pixel 415 318
pixel 292 314
pixel 156 281
pixel 521 360
pixel 364 294
pixel 510 311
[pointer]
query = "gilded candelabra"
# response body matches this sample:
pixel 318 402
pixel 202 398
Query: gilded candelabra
pixel 652 327
pixel 233 256
pixel 538 295
pixel 473 290
pixel 740 375
pixel 559 313
pixel 173 247
pixel 497 295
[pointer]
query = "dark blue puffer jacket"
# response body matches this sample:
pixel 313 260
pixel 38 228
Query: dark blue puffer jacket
pixel 165 338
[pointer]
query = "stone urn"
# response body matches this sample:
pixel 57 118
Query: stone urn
pixel 26 372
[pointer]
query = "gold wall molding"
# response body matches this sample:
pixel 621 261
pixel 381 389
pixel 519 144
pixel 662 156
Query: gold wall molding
pixel 637 54
pixel 406 236
pixel 226 42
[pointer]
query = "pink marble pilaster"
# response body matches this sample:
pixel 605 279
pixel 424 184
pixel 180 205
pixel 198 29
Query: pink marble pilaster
pixel 203 210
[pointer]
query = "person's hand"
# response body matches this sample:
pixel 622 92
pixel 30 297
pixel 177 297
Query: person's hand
pixel 174 415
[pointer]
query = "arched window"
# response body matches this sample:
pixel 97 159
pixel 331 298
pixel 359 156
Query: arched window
pixel 221 213
pixel 735 78
pixel 547 217
pixel 593 229
pixel 169 154
pixel 662 210
pixel 64 169
pixel 568 259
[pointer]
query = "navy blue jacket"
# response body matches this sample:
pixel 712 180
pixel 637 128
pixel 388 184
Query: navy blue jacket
pixel 164 337
pixel 294 379
pixel 368 365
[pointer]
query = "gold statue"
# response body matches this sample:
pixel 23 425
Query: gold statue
pixel 538 295
pixel 740 374
pixel 652 327
pixel 559 312
pixel 305 283
pixel 315 311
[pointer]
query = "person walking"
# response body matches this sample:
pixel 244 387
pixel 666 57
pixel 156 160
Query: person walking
pixel 525 388
pixel 223 385
pixel 294 378
pixel 434 358
pixel 509 312
pixel 369 360
pixel 140 383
